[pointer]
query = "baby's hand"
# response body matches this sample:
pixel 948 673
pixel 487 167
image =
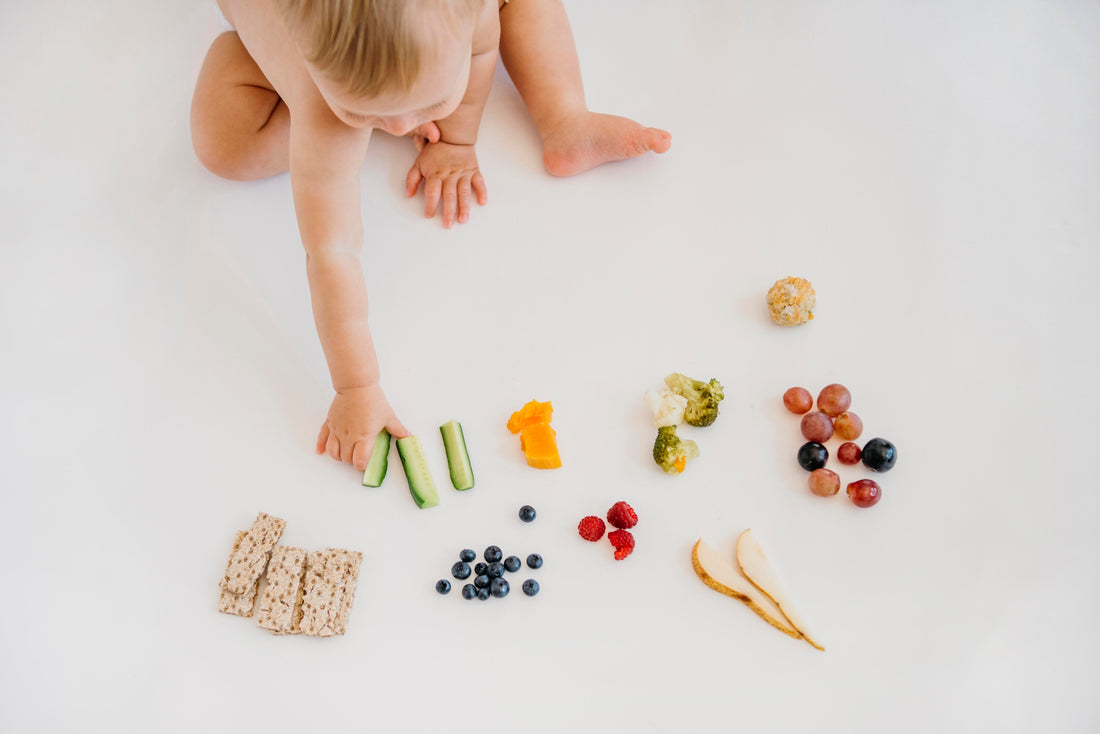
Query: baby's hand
pixel 451 172
pixel 354 420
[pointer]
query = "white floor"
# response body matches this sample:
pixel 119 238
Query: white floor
pixel 933 168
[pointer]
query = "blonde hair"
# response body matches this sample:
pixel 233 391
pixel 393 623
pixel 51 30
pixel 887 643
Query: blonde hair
pixel 371 46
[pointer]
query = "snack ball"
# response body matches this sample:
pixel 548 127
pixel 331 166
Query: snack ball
pixel 791 301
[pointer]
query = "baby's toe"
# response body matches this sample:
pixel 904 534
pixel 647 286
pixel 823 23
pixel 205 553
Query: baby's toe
pixel 657 140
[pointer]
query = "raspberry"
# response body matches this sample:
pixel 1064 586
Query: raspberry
pixel 591 528
pixel 623 542
pixel 622 516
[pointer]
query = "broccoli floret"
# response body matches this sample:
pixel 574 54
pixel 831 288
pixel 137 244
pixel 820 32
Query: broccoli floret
pixel 672 452
pixel 702 397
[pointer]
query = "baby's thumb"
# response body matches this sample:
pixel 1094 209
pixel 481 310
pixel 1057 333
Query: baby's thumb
pixel 397 429
pixel 430 131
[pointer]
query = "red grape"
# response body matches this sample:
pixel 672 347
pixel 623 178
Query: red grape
pixel 798 400
pixel 848 426
pixel 833 400
pixel 864 493
pixel 824 482
pixel 817 427
pixel 849 453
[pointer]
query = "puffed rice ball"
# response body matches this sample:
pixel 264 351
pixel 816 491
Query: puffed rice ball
pixel 791 301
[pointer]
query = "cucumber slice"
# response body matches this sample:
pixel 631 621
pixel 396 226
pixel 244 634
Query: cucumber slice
pixel 458 459
pixel 417 472
pixel 379 460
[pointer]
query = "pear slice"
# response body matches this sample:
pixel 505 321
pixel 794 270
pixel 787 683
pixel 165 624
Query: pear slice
pixel 723 577
pixel 754 564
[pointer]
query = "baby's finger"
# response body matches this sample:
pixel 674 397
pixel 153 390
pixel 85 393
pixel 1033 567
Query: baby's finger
pixel 432 189
pixel 332 448
pixel 397 429
pixel 412 181
pixel 450 200
pixel 464 199
pixel 346 449
pixel 322 438
pixel 479 187
pixel 360 454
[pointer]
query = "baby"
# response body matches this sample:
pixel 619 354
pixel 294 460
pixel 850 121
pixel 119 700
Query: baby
pixel 300 85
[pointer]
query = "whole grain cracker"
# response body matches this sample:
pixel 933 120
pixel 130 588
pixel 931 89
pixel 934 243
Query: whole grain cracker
pixel 296 612
pixel 282 593
pixel 249 558
pixel 330 575
pixel 351 580
pixel 238 604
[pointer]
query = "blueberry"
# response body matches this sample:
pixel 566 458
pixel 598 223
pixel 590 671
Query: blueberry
pixel 496 570
pixel 468 555
pixel 493 554
pixel 483 594
pixel 512 564
pixel 482 582
pixel 812 455
pixel 534 561
pixel 527 513
pixel 443 586
pixel 879 455
pixel 480 568
pixel 530 587
pixel 499 588
pixel 469 591
pixel 461 570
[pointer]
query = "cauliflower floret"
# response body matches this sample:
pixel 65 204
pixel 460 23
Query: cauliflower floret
pixel 668 407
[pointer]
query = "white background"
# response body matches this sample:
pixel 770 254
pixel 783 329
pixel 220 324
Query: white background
pixel 933 168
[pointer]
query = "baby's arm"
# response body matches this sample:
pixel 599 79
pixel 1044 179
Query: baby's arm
pixel 460 127
pixel 449 168
pixel 325 157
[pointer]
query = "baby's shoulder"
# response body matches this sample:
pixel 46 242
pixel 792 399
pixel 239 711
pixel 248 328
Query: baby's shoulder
pixel 264 34
pixel 486 36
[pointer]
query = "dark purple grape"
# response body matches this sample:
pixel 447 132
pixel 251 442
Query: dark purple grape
pixel 833 400
pixel 817 426
pixel 798 400
pixel 812 455
pixel 879 455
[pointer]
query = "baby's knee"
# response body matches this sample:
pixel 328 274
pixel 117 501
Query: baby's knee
pixel 216 157
pixel 225 151
pixel 237 120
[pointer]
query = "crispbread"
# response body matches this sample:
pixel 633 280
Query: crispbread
pixel 239 604
pixel 249 558
pixel 282 593
pixel 330 582
pixel 351 580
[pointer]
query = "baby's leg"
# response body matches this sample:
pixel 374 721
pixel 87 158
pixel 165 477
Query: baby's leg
pixel 240 129
pixel 537 47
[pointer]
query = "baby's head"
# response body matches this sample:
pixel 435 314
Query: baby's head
pixel 389 64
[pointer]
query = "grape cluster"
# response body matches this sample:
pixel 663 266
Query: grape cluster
pixel 832 418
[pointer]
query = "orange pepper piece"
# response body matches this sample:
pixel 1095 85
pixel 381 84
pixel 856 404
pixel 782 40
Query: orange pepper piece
pixel 540 446
pixel 533 412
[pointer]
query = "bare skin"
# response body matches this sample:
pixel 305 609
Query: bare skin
pixel 255 80
pixel 536 45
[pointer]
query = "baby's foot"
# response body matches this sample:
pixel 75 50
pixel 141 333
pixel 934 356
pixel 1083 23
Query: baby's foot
pixel 589 139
